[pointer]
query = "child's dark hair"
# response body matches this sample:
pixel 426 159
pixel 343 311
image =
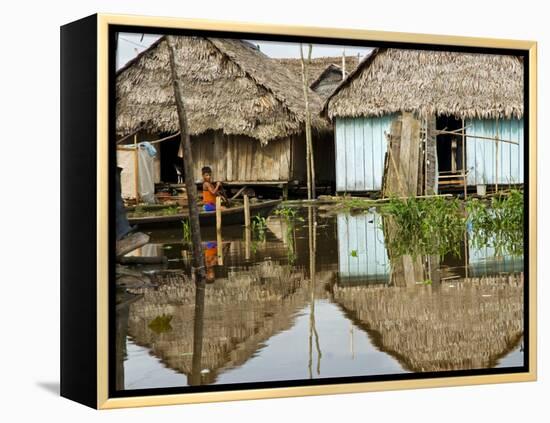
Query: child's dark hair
pixel 206 169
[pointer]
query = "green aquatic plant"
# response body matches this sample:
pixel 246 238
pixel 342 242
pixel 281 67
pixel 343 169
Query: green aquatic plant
pixel 290 216
pixel 424 226
pixel 498 224
pixel 259 227
pixel 161 324
pixel 288 213
pixel 186 226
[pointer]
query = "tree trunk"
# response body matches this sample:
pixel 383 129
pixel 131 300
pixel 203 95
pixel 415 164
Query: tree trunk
pixel 198 255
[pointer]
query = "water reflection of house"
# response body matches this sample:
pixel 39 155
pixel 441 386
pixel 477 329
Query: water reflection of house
pixel 361 250
pixel 238 315
pixel 488 260
pixel 363 256
pixel 445 91
pixel 468 324
pixel 246 112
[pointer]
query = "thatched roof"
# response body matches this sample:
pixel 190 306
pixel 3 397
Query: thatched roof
pixel 317 66
pixel 227 85
pixel 466 85
pixel 467 324
pixel 332 68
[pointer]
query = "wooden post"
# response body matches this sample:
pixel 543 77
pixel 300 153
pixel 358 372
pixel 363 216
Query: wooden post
pixel 425 124
pixel 198 253
pixel 309 148
pixel 136 169
pixel 343 64
pixel 463 133
pixel 219 229
pixel 246 211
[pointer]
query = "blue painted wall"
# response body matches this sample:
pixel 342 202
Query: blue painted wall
pixel 481 154
pixel 360 148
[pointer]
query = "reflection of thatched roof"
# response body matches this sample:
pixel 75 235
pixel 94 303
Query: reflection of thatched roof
pixel 227 85
pixel 317 66
pixel 466 85
pixel 240 313
pixel 466 326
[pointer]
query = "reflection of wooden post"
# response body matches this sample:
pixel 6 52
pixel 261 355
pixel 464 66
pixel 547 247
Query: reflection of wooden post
pixel 312 232
pixel 136 169
pixel 219 229
pixel 194 378
pixel 247 241
pixel 246 211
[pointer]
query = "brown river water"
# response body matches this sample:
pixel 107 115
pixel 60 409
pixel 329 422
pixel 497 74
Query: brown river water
pixel 315 296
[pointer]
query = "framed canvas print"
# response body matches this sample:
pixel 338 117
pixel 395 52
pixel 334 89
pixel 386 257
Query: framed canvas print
pixel 256 211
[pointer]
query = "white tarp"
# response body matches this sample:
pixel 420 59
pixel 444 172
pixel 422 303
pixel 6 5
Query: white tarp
pixel 148 172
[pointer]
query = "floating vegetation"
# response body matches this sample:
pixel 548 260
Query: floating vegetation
pixel 259 227
pixel 498 224
pixel 288 214
pixel 436 226
pixel 145 211
pixel 161 324
pixel 186 227
pixel 429 226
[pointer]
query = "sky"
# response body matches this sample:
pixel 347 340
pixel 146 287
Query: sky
pixel 130 45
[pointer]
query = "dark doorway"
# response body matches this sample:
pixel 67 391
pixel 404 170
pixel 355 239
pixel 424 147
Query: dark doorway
pixel 169 160
pixel 449 146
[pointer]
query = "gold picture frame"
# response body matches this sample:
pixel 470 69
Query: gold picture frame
pixel 99 360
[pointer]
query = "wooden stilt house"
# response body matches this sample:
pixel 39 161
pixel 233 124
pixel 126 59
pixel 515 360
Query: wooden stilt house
pixel 246 112
pixel 469 109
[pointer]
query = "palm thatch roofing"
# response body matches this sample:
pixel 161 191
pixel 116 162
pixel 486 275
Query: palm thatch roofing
pixel 328 70
pixel 465 85
pixel 227 85
pixel 467 324
pixel 317 66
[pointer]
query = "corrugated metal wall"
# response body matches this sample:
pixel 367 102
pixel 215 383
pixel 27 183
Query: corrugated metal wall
pixel 360 148
pixel 481 154
pixel 361 249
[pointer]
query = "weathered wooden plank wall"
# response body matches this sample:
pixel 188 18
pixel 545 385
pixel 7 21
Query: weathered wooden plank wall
pixel 481 154
pixel 239 158
pixel 404 174
pixel 360 149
